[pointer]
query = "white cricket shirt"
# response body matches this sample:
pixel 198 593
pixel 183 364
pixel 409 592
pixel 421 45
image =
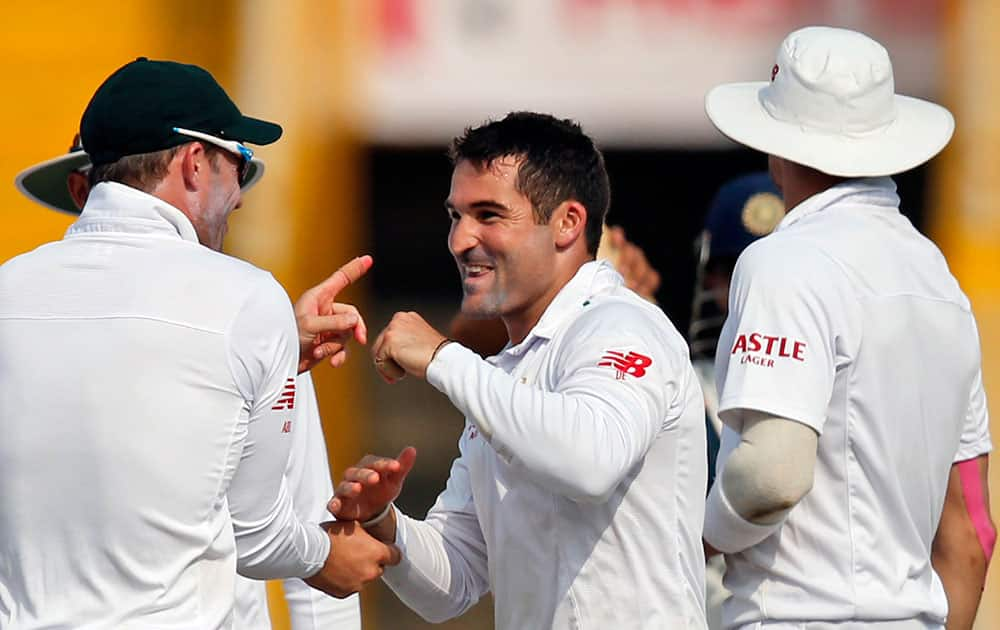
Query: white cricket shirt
pixel 308 478
pixel 846 319
pixel 578 497
pixel 146 409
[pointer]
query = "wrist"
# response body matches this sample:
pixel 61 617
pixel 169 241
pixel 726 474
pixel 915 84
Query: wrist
pixel 378 518
pixel 383 527
pixel 444 342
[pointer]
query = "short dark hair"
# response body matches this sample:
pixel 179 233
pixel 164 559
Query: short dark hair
pixel 142 170
pixel 145 171
pixel 558 163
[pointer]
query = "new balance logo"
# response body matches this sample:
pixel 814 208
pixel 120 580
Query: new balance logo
pixel 287 427
pixel 287 398
pixel 632 364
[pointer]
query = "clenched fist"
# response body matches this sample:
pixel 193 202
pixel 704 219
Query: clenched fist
pixel 406 346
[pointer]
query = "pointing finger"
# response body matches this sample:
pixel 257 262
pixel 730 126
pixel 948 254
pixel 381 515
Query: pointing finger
pixel 348 273
pixel 407 457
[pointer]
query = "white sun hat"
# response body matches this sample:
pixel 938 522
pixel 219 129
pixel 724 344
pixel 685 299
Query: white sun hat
pixel 831 105
pixel 45 182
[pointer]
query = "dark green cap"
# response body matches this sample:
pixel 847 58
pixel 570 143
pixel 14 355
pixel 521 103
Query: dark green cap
pixel 136 109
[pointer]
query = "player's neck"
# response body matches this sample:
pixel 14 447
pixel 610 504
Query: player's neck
pixel 796 189
pixel 520 323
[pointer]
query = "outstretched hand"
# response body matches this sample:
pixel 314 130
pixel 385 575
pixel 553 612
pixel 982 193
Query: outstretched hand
pixel 325 326
pixel 371 485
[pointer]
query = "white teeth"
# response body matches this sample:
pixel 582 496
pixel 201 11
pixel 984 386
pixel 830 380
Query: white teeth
pixel 476 269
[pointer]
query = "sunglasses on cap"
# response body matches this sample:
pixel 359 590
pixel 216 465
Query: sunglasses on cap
pixel 241 151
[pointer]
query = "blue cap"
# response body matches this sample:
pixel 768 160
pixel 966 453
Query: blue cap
pixel 745 209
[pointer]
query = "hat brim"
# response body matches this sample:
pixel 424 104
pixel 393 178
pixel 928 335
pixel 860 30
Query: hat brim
pixel 253 131
pixel 919 132
pixel 45 182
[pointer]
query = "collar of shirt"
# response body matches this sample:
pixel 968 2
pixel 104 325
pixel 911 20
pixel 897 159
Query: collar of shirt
pixel 596 276
pixel 879 192
pixel 114 207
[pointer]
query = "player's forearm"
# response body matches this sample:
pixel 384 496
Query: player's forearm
pixel 763 478
pixel 434 579
pixel 275 544
pixel 963 573
pixel 577 446
pixel 772 468
pixel 964 540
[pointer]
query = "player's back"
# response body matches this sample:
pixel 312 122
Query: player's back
pixel 906 357
pixel 911 363
pixel 121 427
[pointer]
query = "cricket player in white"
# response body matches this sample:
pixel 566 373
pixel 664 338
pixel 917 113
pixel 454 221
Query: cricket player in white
pixel 61 184
pixel 578 495
pixel 147 384
pixel 849 365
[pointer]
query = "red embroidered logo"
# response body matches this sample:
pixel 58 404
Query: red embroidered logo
pixel 633 363
pixel 287 427
pixel 768 346
pixel 287 398
pixel 774 72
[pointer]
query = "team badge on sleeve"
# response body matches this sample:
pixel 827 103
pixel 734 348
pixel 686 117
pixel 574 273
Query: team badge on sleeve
pixel 631 364
pixel 287 398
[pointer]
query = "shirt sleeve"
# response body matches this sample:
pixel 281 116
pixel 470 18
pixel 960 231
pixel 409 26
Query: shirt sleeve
pixel 612 387
pixel 271 542
pixel 975 439
pixel 444 568
pixel 308 475
pixel 781 343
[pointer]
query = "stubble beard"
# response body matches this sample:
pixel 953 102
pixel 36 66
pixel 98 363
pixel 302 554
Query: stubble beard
pixel 482 306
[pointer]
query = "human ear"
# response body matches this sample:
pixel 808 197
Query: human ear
pixel 79 188
pixel 568 221
pixel 193 164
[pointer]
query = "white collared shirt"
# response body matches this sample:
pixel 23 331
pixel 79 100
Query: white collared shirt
pixel 578 497
pixel 146 414
pixel 846 319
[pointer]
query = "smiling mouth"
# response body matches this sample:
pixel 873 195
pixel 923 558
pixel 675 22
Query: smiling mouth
pixel 473 271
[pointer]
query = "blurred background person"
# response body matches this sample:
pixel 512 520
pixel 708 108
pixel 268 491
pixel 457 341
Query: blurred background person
pixel 61 184
pixel 743 210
